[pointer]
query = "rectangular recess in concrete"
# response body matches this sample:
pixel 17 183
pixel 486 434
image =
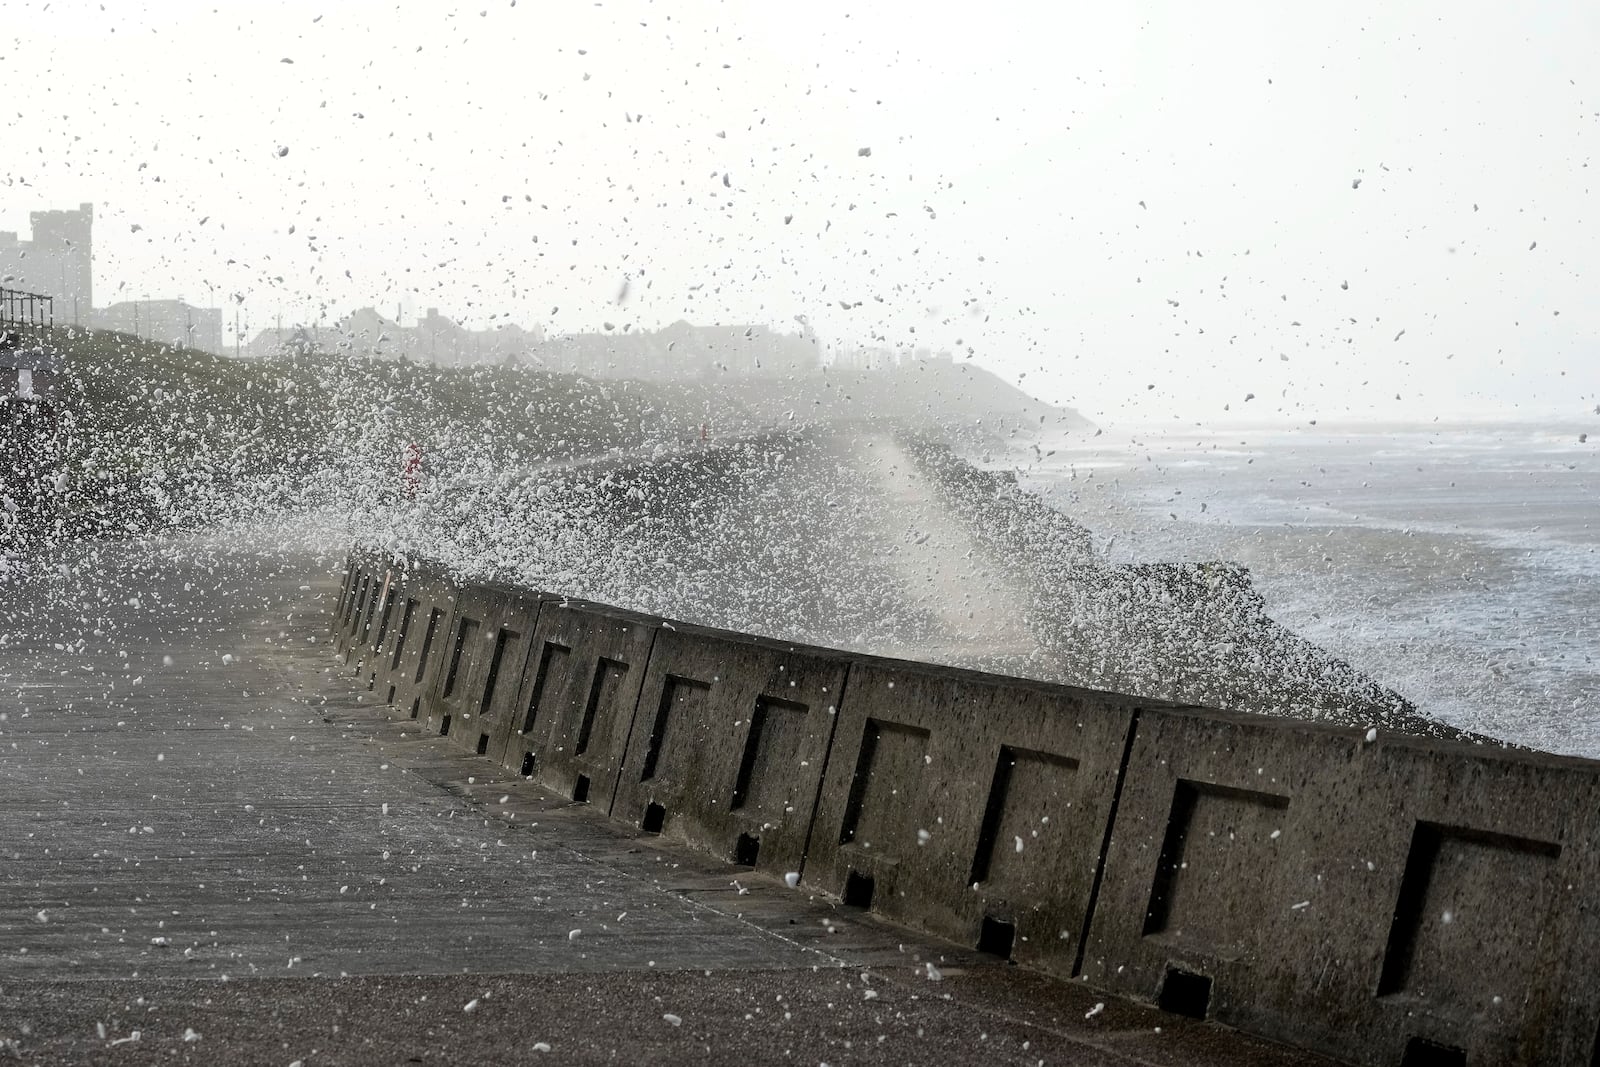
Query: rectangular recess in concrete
pixel 887 783
pixel 434 618
pixel 1459 885
pixel 609 676
pixel 679 697
pixel 466 637
pixel 772 747
pixel 1216 839
pixel 552 658
pixel 1017 810
pixel 504 638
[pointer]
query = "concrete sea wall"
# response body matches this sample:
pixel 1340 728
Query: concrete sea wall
pixel 1382 898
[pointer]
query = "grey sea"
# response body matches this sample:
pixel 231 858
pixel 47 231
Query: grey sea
pixel 1459 565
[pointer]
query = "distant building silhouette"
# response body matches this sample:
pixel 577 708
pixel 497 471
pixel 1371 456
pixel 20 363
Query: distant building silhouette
pixel 435 339
pixel 58 261
pixel 291 340
pixel 682 352
pixel 881 359
pixel 169 322
pixel 366 331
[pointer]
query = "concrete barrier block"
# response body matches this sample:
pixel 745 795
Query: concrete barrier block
pixel 575 700
pixel 1488 935
pixel 347 601
pixel 366 577
pixel 730 743
pixel 371 574
pixel 1349 897
pixel 410 660
pixel 375 633
pixel 371 577
pixel 342 605
pixel 344 635
pixel 483 656
pixel 361 633
pixel 970 805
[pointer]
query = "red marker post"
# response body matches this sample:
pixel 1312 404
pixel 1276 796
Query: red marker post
pixel 411 471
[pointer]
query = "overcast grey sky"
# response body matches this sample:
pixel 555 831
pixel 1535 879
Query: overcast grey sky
pixel 1094 198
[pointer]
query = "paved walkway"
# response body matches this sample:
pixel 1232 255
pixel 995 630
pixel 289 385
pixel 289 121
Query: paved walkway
pixel 217 848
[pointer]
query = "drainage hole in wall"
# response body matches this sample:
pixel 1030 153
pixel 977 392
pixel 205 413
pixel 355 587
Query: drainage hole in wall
pixel 996 937
pixel 655 817
pixel 1420 1052
pixel 746 849
pixel 858 889
pixel 1185 993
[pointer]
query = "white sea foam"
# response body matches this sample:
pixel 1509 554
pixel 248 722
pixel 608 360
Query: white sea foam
pixel 1452 565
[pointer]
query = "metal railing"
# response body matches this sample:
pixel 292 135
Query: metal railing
pixel 19 308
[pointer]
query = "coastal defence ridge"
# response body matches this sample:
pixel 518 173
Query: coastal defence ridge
pixel 1372 896
pixel 221 851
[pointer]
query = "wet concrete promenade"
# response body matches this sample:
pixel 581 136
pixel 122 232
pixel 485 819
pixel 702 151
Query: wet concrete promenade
pixel 216 847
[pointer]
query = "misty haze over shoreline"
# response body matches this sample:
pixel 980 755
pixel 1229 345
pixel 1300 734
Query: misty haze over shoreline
pixel 1141 212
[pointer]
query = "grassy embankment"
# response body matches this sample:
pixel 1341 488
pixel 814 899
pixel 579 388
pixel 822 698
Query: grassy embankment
pixel 141 434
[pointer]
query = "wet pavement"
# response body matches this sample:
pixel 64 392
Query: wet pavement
pixel 214 838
